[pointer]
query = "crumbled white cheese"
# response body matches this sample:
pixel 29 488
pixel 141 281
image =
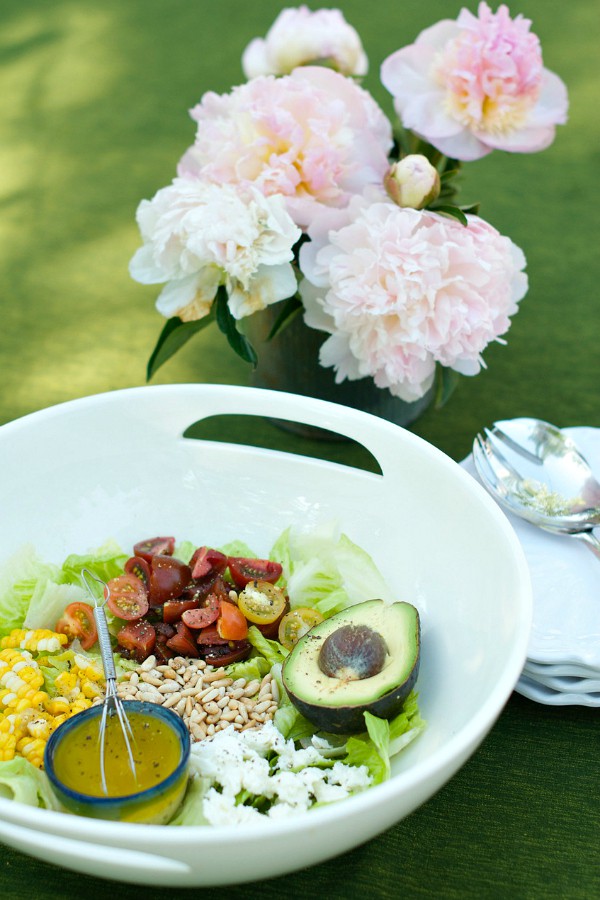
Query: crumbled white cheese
pixel 293 781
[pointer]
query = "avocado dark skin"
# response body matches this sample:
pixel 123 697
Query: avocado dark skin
pixel 364 659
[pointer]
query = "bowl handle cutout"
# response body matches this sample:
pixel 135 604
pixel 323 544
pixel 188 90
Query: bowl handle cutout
pixel 285 436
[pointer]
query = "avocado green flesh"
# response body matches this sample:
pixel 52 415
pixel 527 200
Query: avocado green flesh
pixel 337 704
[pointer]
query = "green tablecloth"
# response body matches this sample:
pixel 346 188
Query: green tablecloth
pixel 95 99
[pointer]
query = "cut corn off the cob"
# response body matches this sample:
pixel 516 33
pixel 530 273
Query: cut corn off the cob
pixel 28 714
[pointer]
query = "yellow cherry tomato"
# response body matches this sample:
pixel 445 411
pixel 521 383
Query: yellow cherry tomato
pixel 296 623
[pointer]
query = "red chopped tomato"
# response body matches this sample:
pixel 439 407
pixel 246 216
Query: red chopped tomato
pixel 203 615
pixel 168 578
pixel 225 655
pixel 232 623
pixel 244 570
pixel 138 566
pixel 163 633
pixel 137 637
pixel 78 622
pixel 153 546
pixel 206 560
pixel 183 642
pixel 128 598
pixel 209 636
pixel 174 609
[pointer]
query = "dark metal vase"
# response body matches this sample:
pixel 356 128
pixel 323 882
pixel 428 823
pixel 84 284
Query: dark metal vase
pixel 290 362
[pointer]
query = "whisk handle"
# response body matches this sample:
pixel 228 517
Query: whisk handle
pixel 104 643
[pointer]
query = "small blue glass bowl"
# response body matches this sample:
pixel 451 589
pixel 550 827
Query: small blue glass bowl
pixel 155 805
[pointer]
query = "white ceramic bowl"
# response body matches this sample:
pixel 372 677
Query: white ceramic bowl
pixel 117 465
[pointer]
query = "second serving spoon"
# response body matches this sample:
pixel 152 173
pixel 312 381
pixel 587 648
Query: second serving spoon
pixel 537 472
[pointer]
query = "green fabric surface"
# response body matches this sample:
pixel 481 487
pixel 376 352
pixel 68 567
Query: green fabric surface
pixel 95 99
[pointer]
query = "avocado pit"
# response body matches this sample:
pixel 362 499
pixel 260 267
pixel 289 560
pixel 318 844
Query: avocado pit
pixel 352 652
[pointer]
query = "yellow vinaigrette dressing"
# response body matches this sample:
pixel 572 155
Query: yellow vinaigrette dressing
pixel 156 753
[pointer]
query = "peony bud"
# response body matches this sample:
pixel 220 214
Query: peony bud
pixel 413 181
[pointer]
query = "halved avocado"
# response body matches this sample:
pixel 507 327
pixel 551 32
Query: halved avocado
pixel 363 659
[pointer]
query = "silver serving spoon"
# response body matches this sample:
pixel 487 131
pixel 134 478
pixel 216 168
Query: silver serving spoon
pixel 537 473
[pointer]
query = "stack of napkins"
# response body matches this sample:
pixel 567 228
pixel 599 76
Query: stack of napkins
pixel 563 659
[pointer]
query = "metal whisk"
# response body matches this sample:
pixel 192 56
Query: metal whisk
pixel 112 704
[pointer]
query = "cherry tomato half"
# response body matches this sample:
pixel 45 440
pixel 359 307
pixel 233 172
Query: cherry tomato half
pixel 296 623
pixel 168 578
pixel 183 642
pixel 128 598
pixel 232 623
pixel 153 546
pixel 244 570
pixel 78 622
pixel 203 615
pixel 206 560
pixel 262 602
pixel 138 566
pixel 139 638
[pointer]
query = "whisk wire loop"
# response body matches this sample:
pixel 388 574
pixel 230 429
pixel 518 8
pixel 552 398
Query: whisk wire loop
pixel 112 702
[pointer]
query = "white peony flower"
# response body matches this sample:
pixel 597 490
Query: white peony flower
pixel 198 235
pixel 300 37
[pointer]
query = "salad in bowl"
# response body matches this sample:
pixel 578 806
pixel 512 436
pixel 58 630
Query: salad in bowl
pixel 229 642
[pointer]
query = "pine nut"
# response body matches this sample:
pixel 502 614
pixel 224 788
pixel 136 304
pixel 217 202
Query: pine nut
pixel 222 682
pixel 171 700
pixel 148 664
pixel 210 695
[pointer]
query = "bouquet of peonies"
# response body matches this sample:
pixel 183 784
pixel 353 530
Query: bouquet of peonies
pixel 298 191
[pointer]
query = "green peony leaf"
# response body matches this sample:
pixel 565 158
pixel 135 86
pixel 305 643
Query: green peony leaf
pixel 228 325
pixel 452 211
pixel 446 382
pixel 173 336
pixel 290 308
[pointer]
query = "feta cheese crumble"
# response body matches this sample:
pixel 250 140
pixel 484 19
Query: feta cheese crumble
pixel 260 764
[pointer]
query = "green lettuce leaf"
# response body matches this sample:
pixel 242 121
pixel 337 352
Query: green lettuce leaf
pixel 48 603
pixel 256 667
pixel 327 571
pixel 238 548
pixel 272 651
pixel 371 749
pixel 384 739
pixel 19 579
pixel 105 562
pixel 184 551
pixel 190 811
pixel 23 782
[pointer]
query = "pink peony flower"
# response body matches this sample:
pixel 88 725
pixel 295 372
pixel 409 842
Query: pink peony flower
pixel 477 84
pixel 299 37
pixel 198 236
pixel 313 136
pixel 400 290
